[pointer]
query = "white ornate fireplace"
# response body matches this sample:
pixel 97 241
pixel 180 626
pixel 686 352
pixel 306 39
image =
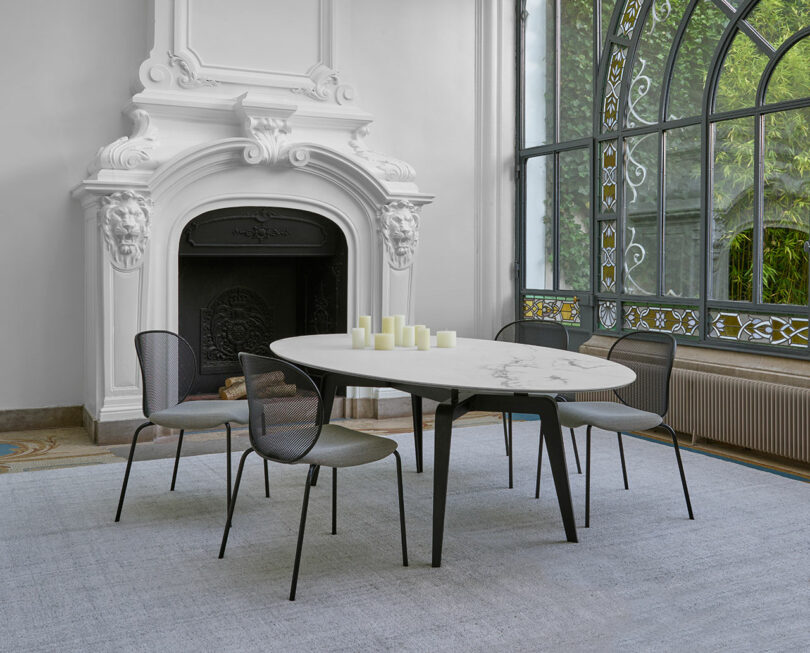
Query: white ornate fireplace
pixel 224 123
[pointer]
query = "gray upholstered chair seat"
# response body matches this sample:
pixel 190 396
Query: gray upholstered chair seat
pixel 606 415
pixel 202 414
pixel 341 447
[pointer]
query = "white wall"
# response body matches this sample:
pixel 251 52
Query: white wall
pixel 69 68
pixel 413 65
pixel 66 70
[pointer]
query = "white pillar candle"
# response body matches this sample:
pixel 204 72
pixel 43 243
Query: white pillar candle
pixel 384 341
pixel 365 322
pixel 408 336
pixel 358 338
pixel 399 322
pixel 423 339
pixel 388 324
pixel 446 339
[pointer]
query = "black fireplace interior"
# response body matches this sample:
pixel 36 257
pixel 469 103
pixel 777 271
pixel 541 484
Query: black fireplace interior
pixel 251 275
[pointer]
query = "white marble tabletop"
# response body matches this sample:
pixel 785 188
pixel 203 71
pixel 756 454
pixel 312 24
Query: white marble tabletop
pixel 473 365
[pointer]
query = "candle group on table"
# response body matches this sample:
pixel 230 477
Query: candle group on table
pixel 395 333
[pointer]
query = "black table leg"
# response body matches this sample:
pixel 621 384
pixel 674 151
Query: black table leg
pixel 441 462
pixel 550 426
pixel 416 408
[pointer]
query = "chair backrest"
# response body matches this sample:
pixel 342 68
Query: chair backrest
pixel 168 369
pixel 650 356
pixel 543 333
pixel 286 411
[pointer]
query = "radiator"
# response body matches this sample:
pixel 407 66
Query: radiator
pixel 767 417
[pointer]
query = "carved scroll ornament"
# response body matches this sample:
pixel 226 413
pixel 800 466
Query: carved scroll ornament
pixel 382 166
pixel 399 227
pixel 270 139
pixel 128 151
pixel 125 221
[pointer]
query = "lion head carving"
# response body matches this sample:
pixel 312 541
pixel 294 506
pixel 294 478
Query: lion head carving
pixel 399 226
pixel 125 221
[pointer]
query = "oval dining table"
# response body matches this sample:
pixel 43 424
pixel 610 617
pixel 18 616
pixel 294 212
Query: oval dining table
pixel 484 375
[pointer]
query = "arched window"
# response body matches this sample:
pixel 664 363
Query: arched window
pixel 664 168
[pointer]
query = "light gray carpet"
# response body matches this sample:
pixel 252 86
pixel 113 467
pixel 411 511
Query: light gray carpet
pixel 642 578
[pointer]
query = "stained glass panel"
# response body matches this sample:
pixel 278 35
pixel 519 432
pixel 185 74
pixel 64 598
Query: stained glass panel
pixel 607 256
pixel 608 185
pixel 558 309
pixel 678 320
pixel 627 22
pixel 780 330
pixel 613 85
pixel 607 314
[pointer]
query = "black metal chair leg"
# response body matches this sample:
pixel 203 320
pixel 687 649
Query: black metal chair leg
pixel 232 504
pixel 576 453
pixel 310 474
pixel 539 463
pixel 588 478
pixel 129 466
pixel 228 461
pixel 401 510
pixel 334 501
pixel 315 475
pixel 177 459
pixel 418 439
pixel 266 480
pixel 509 450
pixel 680 469
pixel 621 453
pixel 506 418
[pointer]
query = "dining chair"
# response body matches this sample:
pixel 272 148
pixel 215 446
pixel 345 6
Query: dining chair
pixel 291 430
pixel 643 403
pixel 168 370
pixel 543 333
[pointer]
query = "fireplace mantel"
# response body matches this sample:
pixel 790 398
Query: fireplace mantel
pixel 209 134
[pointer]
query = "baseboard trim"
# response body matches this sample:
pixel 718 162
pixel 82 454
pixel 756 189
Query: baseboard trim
pixel 30 419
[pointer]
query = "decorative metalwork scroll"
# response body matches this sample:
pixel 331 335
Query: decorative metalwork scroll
pixel 679 320
pixel 558 309
pixel 607 256
pixel 779 330
pixel 237 320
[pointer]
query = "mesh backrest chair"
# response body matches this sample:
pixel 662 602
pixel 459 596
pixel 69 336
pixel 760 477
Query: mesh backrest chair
pixel 290 430
pixel 168 371
pixel 643 403
pixel 542 333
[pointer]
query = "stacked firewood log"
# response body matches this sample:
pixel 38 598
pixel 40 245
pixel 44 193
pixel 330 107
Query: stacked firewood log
pixel 268 385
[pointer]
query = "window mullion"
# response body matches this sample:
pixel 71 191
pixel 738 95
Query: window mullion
pixel 759 209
